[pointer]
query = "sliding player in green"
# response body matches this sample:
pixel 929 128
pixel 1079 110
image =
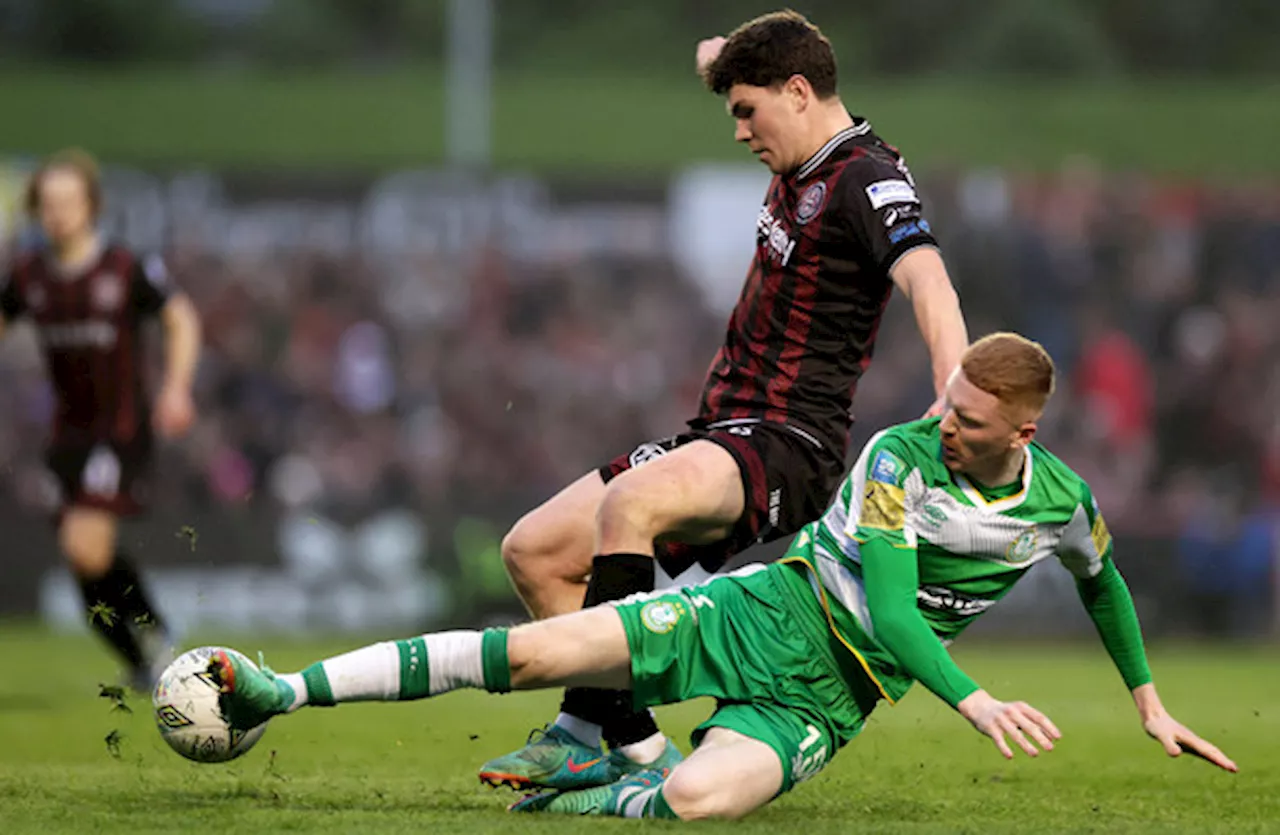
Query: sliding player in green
pixel 936 522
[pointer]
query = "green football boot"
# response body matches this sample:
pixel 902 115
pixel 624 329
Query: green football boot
pixel 629 797
pixel 554 759
pixel 551 758
pixel 250 696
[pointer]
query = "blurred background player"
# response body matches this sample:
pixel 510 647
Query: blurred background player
pixel 88 299
pixel 840 227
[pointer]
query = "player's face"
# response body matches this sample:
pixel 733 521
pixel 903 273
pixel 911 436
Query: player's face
pixel 766 119
pixel 65 211
pixel 977 433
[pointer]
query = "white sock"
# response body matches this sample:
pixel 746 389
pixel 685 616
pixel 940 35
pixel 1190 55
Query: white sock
pixel 588 733
pixel 369 674
pixel 403 670
pixel 646 750
pixel 299 688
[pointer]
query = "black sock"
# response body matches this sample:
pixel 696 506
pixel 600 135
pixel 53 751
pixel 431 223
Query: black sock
pixel 106 606
pixel 613 577
pixel 134 600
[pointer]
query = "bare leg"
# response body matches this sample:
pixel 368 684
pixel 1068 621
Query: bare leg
pixel 693 493
pixel 548 552
pixel 728 776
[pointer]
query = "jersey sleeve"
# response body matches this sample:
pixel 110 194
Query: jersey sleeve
pixel 150 287
pixel 878 500
pixel 890 573
pixel 1086 542
pixel 11 303
pixel 881 210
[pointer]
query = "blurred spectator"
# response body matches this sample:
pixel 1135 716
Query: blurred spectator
pixel 473 390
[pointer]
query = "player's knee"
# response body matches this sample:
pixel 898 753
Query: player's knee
pixel 89 550
pixel 528 555
pixel 629 503
pixel 693 794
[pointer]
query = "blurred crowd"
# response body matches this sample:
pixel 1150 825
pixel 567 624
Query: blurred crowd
pixel 480 385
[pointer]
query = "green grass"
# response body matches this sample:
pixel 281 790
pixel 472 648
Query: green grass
pixel 585 123
pixel 409 768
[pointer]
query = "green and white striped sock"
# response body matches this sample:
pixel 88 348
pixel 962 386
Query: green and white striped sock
pixel 400 671
pixel 645 803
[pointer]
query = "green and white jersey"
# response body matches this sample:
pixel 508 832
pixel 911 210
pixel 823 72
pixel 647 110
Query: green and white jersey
pixel 970 544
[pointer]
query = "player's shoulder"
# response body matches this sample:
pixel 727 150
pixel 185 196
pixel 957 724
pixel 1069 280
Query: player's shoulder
pixel 1055 480
pixel 147 263
pixel 26 256
pixel 907 447
pixel 873 172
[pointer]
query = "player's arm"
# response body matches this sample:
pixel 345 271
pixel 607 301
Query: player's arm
pixel 890 576
pixel 922 277
pixel 1087 552
pixel 881 209
pixel 153 295
pixel 182 341
pixel 11 304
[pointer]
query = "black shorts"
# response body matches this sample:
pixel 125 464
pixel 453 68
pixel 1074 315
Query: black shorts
pixel 109 476
pixel 788 478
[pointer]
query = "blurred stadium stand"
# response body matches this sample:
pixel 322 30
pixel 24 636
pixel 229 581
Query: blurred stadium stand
pixel 398 366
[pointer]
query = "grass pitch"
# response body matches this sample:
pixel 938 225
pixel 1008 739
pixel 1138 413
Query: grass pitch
pixel 410 768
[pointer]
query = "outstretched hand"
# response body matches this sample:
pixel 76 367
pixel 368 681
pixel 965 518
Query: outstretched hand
pixel 1178 739
pixel 708 50
pixel 1018 720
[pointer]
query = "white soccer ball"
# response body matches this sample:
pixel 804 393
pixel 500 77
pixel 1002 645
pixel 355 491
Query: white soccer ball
pixel 187 712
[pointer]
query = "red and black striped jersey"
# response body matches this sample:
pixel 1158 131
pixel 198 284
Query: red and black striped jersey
pixel 89 324
pixel 803 330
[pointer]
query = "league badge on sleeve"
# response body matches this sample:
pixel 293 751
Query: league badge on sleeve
pixel 887 468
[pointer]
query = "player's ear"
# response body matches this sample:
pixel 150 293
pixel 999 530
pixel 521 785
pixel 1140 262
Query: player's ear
pixel 1026 433
pixel 798 90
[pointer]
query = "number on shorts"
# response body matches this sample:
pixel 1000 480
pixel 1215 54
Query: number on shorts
pixel 807 763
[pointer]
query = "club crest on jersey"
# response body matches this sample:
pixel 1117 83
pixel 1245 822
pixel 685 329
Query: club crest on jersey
pixel 661 616
pixel 1024 547
pixel 811 202
pixel 36 297
pixel 107 292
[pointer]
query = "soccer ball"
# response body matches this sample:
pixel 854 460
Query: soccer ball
pixel 187 712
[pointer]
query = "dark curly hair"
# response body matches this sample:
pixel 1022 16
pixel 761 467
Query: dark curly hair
pixel 768 50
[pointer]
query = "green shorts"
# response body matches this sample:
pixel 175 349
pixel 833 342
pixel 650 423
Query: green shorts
pixel 757 641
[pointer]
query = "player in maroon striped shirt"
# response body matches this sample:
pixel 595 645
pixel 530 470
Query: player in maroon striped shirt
pixel 88 300
pixel 840 227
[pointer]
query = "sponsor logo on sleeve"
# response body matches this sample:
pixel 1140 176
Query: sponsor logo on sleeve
pixel 906 230
pixel 883 507
pixel 884 192
pixel 1100 535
